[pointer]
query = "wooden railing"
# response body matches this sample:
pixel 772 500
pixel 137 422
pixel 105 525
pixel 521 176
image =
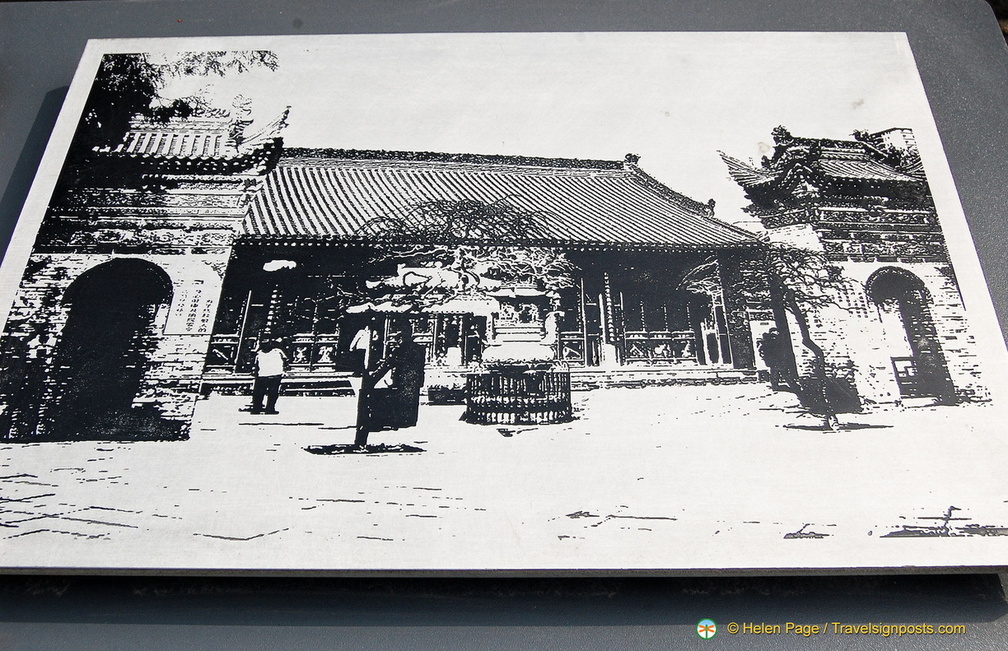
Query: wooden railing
pixel 660 347
pixel 306 352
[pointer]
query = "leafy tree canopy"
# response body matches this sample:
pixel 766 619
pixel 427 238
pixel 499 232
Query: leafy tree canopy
pixel 130 85
pixel 806 278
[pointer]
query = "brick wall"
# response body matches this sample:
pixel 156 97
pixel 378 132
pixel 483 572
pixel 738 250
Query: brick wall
pixel 184 235
pixel 948 314
pixel 852 333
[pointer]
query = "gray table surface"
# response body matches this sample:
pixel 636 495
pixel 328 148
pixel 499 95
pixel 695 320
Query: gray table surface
pixel 964 65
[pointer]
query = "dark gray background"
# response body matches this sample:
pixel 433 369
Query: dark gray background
pixel 963 63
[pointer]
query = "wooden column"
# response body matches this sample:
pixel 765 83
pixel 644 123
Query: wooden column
pixel 584 323
pixel 241 331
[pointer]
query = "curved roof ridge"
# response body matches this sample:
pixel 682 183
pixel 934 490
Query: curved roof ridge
pixel 703 210
pixel 295 155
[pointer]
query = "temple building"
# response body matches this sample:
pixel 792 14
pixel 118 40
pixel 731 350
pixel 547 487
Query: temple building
pixel 896 327
pixel 649 262
pixel 163 263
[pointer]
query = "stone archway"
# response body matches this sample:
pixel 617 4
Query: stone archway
pixel 105 350
pixel 909 333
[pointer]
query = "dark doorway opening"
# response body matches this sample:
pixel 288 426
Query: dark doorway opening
pixel 917 360
pixel 105 350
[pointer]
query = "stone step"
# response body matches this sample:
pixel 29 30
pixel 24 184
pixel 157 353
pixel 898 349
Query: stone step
pixel 502 341
pixel 585 379
pixel 529 329
pixel 582 379
pixel 293 385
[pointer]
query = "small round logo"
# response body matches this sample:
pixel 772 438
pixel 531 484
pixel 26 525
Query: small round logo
pixel 706 629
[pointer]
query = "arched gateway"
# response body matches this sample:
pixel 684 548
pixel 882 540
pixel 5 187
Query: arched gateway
pixel 918 362
pixel 105 350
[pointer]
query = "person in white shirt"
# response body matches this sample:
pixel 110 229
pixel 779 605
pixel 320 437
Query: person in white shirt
pixel 361 346
pixel 270 366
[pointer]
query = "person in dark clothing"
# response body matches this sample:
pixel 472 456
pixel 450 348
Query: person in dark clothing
pixel 390 394
pixel 475 342
pixel 771 349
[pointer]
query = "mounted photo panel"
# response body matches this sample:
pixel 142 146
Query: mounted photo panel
pixel 553 302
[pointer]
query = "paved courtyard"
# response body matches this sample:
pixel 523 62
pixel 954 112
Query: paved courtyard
pixel 661 477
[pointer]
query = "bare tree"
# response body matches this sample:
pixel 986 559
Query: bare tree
pixel 801 282
pixel 471 239
pixel 132 86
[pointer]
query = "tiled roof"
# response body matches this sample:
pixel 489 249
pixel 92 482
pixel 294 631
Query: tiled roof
pixel 861 169
pixel 745 174
pixel 339 195
pixel 189 139
pixel 839 159
pixel 198 139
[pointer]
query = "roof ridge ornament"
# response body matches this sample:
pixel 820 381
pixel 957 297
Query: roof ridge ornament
pixel 270 131
pixel 781 135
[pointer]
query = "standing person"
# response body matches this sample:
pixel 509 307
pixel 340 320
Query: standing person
pixel 407 374
pixel 271 362
pixel 551 331
pixel 366 356
pixel 474 343
pixel 771 350
pixel 361 347
pixel 390 394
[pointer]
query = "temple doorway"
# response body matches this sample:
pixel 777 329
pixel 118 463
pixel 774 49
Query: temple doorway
pixel 909 334
pixel 105 347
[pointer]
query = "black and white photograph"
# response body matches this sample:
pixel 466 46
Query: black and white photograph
pixel 499 302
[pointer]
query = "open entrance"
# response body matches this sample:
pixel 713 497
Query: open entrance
pixel 105 350
pixel 909 332
pixel 647 309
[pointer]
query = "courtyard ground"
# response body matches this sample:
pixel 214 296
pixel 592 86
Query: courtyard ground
pixel 685 477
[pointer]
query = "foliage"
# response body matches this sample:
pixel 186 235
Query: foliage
pixel 806 277
pixel 802 282
pixel 545 266
pixel 448 222
pixel 472 239
pixel 127 86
